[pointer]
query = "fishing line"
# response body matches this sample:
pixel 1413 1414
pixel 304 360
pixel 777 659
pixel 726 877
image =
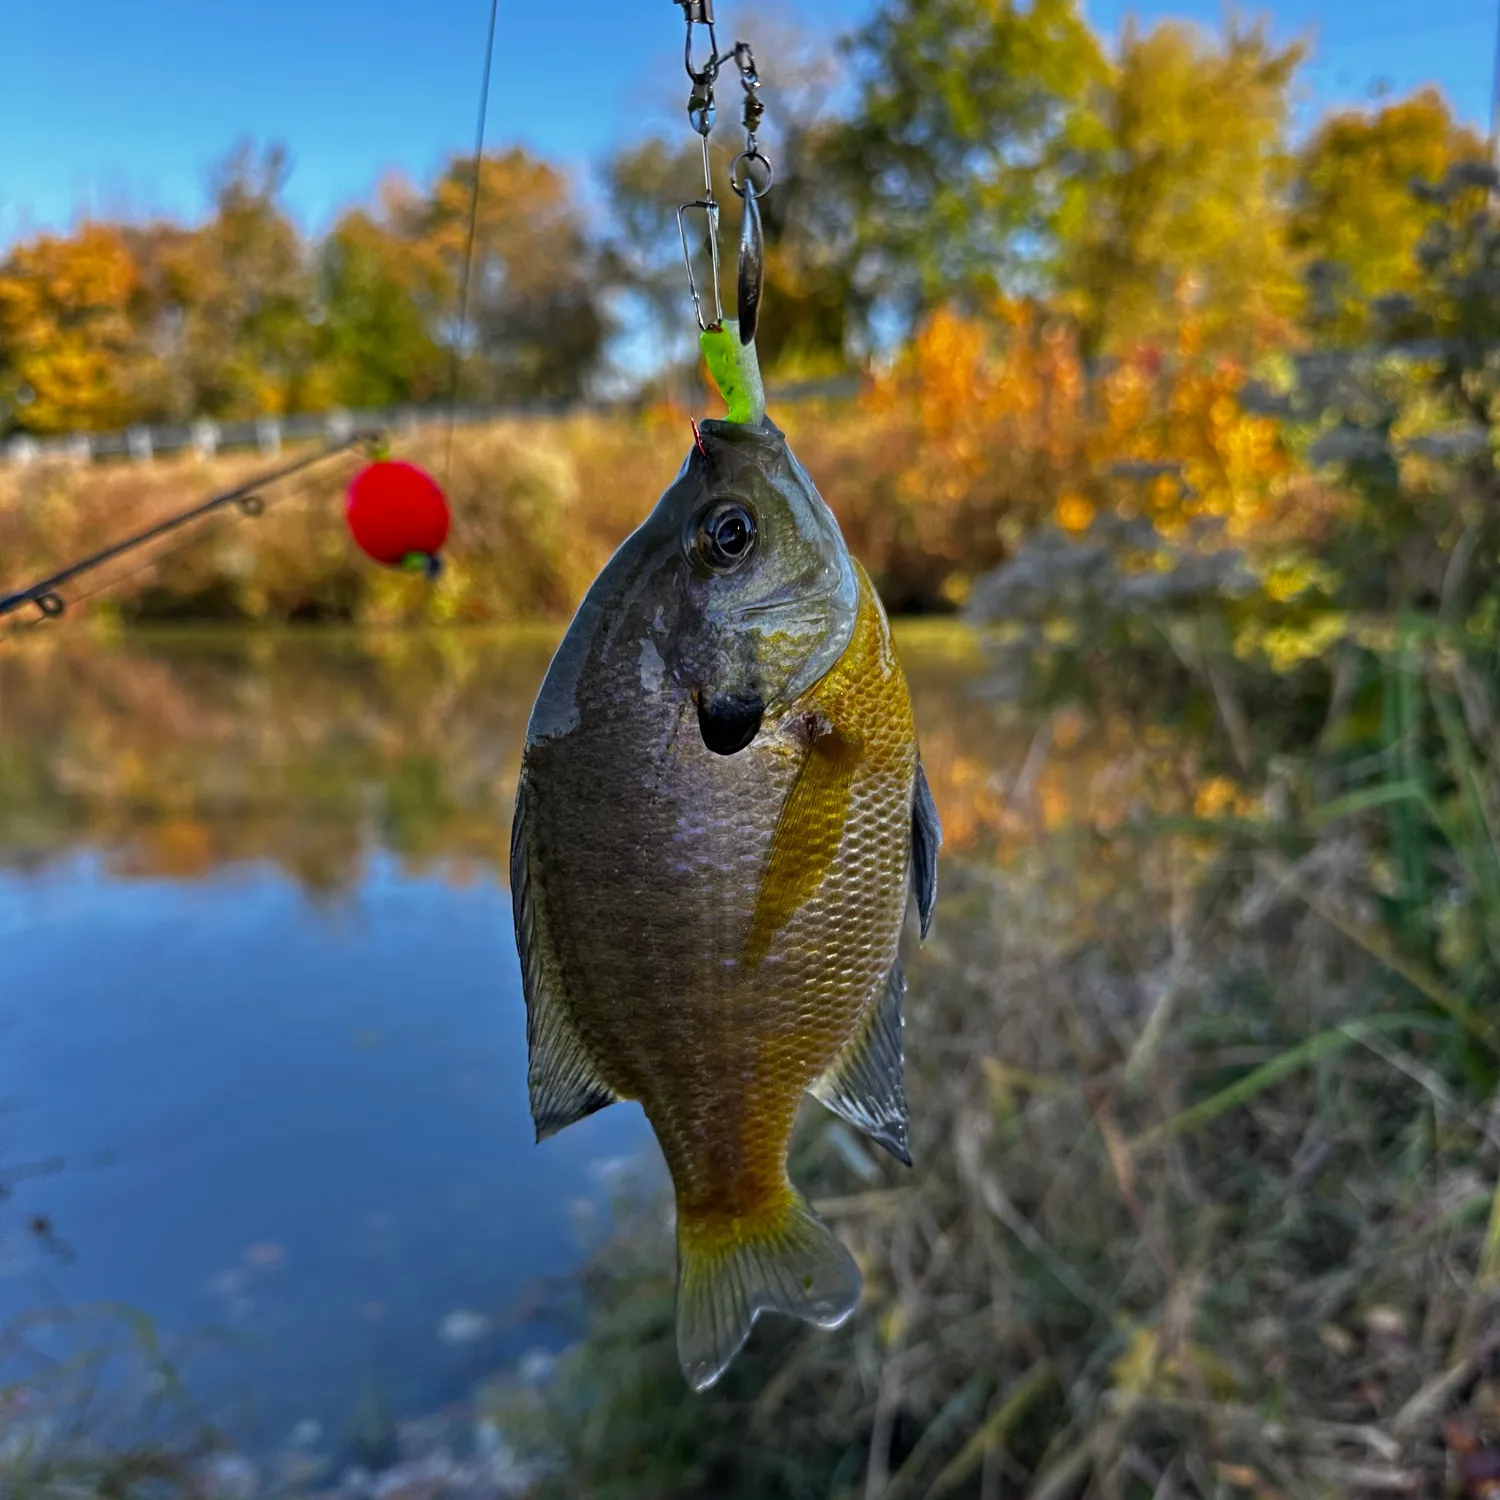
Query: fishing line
pixel 463 296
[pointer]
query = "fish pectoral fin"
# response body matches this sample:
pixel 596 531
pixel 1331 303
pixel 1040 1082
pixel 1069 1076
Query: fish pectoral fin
pixel 926 840
pixel 867 1085
pixel 809 829
pixel 728 1275
pixel 563 1082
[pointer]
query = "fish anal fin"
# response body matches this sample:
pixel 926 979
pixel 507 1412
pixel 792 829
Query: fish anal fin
pixel 867 1085
pixel 728 1275
pixel 926 840
pixel 562 1079
pixel 563 1084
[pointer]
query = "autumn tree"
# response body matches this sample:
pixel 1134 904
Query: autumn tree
pixel 250 319
pixel 232 306
pixel 1177 207
pixel 164 389
pixel 537 321
pixel 813 309
pixel 68 345
pixel 1355 219
pixel 381 296
pixel 958 144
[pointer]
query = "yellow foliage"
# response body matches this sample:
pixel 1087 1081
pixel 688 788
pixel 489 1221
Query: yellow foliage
pixel 1287 646
pixel 66 331
pixel 1284 578
pixel 1183 219
pixel 1355 208
pixel 1074 513
pixel 1146 1369
pixel 1219 795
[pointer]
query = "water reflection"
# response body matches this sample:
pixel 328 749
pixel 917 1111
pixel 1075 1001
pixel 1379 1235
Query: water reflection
pixel 306 1130
pixel 178 755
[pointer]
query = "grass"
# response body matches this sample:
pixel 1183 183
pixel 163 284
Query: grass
pixel 1205 1198
pixel 538 507
pixel 99 1413
pixel 1202 1068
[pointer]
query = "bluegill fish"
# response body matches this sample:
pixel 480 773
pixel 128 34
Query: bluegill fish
pixel 721 810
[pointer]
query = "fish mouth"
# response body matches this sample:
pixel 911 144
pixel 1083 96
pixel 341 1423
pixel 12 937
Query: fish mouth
pixel 728 722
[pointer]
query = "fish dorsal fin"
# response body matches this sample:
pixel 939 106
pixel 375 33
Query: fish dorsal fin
pixel 867 1085
pixel 563 1082
pixel 926 840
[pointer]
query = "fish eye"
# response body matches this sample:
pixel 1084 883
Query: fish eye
pixel 726 536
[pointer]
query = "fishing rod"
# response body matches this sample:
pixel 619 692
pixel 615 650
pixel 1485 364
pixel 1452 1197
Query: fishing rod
pixel 246 497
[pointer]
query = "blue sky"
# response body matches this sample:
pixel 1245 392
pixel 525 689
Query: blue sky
pixel 116 108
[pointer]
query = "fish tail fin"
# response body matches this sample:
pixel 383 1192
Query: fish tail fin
pixel 788 1263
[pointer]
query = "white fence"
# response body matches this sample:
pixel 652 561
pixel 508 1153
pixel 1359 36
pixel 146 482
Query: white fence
pixel 268 434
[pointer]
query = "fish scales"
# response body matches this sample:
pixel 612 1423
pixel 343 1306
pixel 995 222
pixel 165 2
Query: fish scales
pixel 708 927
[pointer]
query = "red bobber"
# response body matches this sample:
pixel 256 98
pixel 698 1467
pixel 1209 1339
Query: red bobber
pixel 397 515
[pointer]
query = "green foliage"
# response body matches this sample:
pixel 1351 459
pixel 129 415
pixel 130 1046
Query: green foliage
pixel 111 1420
pixel 1407 427
pixel 950 161
pixel 242 339
pixel 1411 436
pixel 378 342
pixel 1176 205
pixel 1374 675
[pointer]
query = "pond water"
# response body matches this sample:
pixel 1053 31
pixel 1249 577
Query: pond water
pixel 262 1044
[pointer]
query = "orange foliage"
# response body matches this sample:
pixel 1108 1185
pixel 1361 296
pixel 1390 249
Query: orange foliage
pixel 987 434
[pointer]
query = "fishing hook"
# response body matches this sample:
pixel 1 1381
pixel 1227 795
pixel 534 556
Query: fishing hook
pixel 752 258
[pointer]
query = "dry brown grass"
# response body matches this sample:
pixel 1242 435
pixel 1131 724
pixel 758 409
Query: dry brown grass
pixel 936 472
pixel 1200 1200
pixel 538 508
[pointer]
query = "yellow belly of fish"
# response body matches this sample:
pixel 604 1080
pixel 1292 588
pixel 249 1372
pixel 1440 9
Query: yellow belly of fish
pixel 821 940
